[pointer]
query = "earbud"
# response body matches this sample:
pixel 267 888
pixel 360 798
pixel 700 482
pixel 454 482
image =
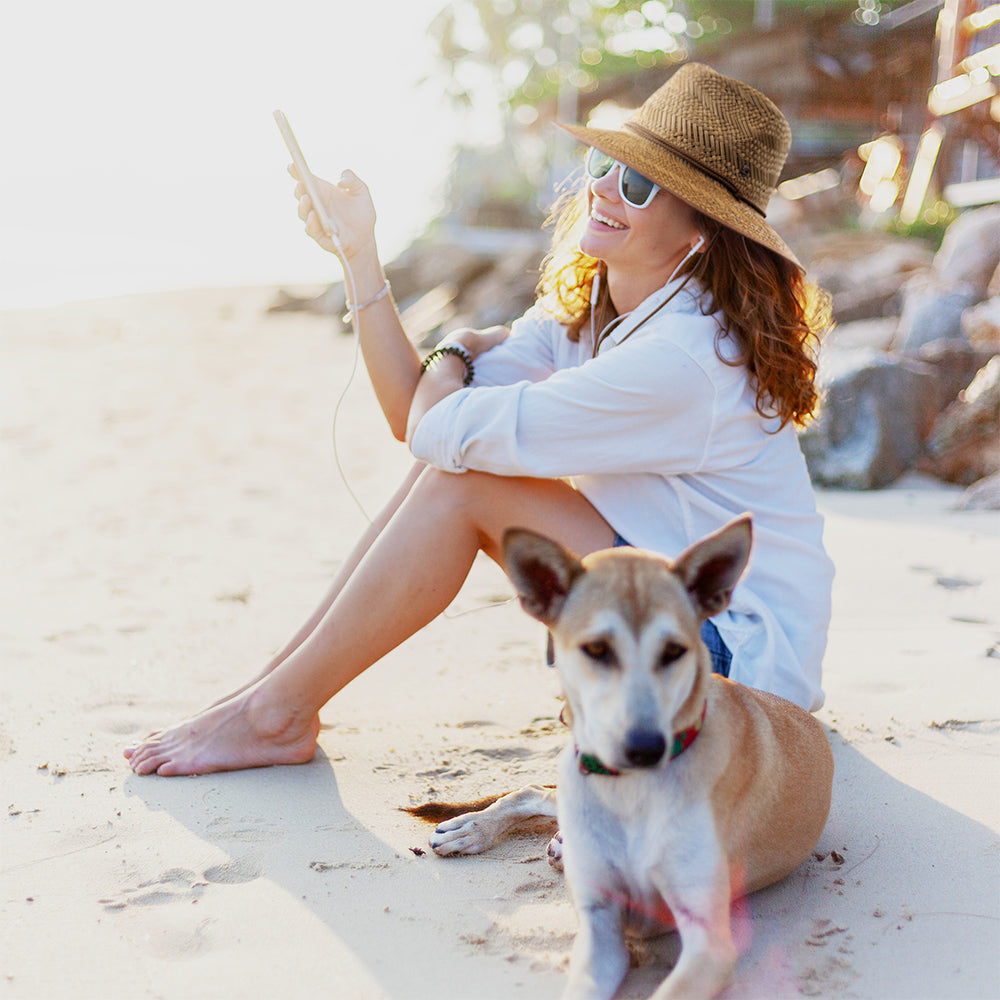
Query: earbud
pixel 595 291
pixel 696 246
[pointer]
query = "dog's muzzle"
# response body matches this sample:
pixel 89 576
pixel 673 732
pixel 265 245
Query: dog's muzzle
pixel 644 747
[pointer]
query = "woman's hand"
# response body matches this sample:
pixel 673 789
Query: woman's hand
pixel 349 206
pixel 478 342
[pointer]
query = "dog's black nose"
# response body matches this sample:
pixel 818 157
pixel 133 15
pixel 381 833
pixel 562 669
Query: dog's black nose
pixel 644 747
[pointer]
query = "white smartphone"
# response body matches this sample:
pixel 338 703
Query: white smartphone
pixel 305 173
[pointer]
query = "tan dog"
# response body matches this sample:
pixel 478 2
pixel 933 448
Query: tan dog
pixel 680 790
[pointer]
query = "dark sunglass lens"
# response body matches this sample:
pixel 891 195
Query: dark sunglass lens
pixel 636 189
pixel 598 163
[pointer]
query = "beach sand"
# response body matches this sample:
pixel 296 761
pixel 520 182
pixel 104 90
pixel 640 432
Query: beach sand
pixel 172 511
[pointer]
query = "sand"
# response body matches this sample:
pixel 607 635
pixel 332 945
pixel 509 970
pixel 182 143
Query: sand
pixel 172 511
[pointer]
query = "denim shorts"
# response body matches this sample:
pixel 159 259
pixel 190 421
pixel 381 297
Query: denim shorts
pixel 722 658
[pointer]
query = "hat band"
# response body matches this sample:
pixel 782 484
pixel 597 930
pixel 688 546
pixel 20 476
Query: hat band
pixel 671 148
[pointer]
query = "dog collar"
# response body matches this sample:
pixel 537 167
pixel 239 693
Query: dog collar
pixel 589 764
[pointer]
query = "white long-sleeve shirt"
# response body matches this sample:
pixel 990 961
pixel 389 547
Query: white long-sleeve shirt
pixel 664 440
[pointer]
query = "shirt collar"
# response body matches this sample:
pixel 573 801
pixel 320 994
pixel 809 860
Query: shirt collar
pixel 682 301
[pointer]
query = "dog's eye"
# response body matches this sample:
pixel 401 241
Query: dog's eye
pixel 671 651
pixel 599 650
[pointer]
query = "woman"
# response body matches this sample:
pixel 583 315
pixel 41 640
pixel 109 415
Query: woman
pixel 650 395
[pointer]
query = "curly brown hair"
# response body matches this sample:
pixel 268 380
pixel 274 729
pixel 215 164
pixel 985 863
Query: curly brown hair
pixel 769 310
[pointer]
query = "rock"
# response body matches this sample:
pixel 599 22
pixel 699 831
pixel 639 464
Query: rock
pixel 955 364
pixel 877 411
pixel 964 445
pixel 970 251
pixel 864 272
pixel 931 310
pixel 500 295
pixel 873 333
pixel 981 324
pixel 431 262
pixel 982 495
pixel 454 277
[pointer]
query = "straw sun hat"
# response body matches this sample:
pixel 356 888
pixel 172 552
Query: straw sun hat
pixel 714 142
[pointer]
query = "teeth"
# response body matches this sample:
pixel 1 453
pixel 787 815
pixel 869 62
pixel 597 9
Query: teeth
pixel 606 221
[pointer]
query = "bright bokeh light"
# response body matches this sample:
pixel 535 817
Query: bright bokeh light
pixel 882 161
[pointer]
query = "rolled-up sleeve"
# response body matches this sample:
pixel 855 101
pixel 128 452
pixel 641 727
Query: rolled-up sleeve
pixel 643 406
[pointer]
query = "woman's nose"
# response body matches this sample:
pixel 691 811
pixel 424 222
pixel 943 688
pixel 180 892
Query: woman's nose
pixel 607 186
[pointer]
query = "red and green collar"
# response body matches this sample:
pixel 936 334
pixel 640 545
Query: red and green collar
pixel 589 764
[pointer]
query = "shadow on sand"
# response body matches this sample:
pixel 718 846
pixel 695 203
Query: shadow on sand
pixel 862 918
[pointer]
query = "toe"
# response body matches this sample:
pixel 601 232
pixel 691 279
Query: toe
pixel 146 758
pixel 459 845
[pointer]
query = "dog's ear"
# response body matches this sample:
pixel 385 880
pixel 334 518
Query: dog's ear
pixel 710 568
pixel 541 570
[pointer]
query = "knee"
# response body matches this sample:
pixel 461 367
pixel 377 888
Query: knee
pixel 467 500
pixel 455 491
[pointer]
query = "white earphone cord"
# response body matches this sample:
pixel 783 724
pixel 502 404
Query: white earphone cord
pixel 352 300
pixel 349 277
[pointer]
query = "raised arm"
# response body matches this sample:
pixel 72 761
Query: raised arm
pixel 391 359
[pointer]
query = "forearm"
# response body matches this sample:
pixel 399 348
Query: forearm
pixel 391 359
pixel 441 379
pixel 448 371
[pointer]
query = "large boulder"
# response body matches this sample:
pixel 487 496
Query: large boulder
pixel 954 364
pixel 874 333
pixel 932 310
pixel 876 413
pixel 970 251
pixel 864 272
pixel 981 324
pixel 934 302
pixel 964 444
pixel 982 495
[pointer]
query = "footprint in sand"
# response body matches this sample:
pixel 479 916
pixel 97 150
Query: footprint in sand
pixel 178 885
pixel 173 885
pixel 234 872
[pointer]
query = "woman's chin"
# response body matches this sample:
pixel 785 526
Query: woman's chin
pixel 598 240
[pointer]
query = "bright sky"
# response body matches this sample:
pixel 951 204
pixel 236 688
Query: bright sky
pixel 140 153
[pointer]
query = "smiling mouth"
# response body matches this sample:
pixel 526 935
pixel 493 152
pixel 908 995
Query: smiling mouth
pixel 604 220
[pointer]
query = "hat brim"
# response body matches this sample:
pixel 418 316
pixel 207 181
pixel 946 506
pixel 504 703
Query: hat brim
pixel 685 181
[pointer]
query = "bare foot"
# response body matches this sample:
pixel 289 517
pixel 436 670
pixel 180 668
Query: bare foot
pixel 245 731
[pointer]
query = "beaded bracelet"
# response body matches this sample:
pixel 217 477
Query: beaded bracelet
pixel 459 351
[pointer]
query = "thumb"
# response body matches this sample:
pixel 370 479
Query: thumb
pixel 350 182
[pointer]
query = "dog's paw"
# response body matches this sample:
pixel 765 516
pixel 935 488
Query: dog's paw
pixel 466 834
pixel 556 852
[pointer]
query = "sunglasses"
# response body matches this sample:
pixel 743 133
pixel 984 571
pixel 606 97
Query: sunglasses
pixel 635 190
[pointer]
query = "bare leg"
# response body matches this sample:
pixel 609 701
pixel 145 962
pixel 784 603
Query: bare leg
pixel 343 574
pixel 409 574
pixel 361 547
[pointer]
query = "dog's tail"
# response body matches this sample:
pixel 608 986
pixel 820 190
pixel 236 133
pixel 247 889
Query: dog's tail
pixel 438 812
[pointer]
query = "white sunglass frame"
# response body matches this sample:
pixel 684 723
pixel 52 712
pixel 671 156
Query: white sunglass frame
pixel 622 167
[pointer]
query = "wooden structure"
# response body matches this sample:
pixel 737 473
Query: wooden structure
pixel 961 144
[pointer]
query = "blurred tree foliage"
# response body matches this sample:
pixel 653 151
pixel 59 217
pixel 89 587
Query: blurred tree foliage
pixel 527 52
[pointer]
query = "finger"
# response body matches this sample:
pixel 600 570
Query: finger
pixel 313 226
pixel 317 231
pixel 351 182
